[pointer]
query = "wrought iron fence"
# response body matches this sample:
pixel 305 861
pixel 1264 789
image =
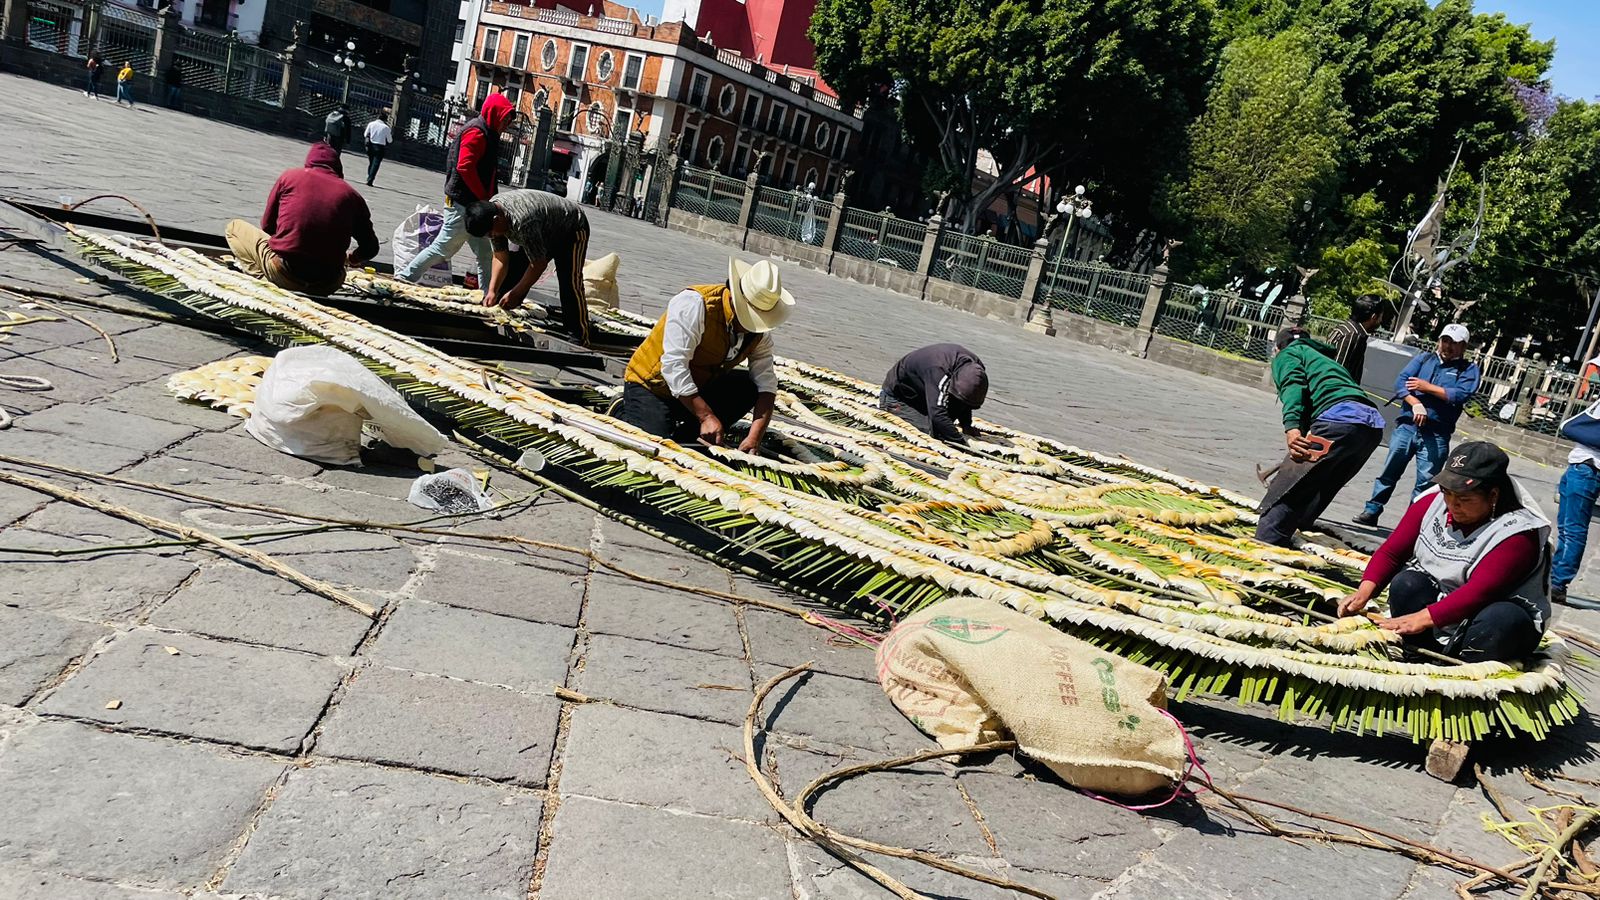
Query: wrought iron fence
pixel 127 36
pixel 705 193
pixel 425 120
pixel 881 238
pixel 323 88
pixel 1221 320
pixel 1094 290
pixel 982 262
pixel 793 215
pixel 57 28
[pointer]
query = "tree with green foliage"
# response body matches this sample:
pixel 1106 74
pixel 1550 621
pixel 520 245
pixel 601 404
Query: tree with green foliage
pixel 1090 91
pixel 1269 141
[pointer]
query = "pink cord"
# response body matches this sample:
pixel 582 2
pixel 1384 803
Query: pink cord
pixel 1178 790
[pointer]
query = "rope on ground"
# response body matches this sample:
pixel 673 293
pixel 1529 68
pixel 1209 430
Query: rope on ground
pixel 104 335
pixel 808 616
pixel 253 557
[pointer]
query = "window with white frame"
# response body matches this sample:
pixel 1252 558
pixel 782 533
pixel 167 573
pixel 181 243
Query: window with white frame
pixel 578 63
pixel 513 93
pixel 714 152
pixel 482 93
pixel 461 29
pixel 775 117
pixel 811 176
pixel 699 89
pixel 688 143
pixel 632 71
pixel 519 51
pixel 547 56
pixel 802 124
pixel 491 45
pixel 788 171
pixel 569 112
pixel 622 123
pixel 740 165
pixel 841 143
pixel 823 135
pixel 727 99
pixel 752 110
pixel 605 66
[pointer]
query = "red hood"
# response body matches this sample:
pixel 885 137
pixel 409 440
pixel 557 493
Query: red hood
pixel 323 156
pixel 497 111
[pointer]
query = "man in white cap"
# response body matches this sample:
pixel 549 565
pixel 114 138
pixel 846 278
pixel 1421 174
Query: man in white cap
pixel 1432 389
pixel 684 381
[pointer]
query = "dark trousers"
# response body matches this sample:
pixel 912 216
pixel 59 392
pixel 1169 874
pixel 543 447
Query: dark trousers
pixel 569 275
pixel 890 403
pixel 1301 491
pixel 1503 631
pixel 730 397
pixel 92 85
pixel 374 160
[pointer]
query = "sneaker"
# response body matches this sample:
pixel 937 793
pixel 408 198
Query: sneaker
pixel 1365 518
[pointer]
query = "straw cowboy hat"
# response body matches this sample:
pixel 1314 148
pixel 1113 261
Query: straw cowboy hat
pixel 759 300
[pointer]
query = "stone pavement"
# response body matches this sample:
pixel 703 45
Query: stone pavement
pixel 173 724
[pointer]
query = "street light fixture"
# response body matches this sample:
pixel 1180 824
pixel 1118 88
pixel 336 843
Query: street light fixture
pixel 348 57
pixel 1074 206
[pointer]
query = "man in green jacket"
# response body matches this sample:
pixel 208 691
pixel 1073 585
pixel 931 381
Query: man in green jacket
pixel 1319 398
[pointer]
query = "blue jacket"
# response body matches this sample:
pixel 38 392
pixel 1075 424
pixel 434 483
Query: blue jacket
pixel 1458 378
pixel 1584 427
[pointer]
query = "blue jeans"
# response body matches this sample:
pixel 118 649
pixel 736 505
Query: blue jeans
pixel 1579 487
pixel 448 243
pixel 1430 449
pixel 124 93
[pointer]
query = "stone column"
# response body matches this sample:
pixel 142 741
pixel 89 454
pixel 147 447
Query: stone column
pixel 168 28
pixel 669 171
pixel 1030 301
pixel 91 25
pixel 830 239
pixel 930 244
pixel 294 57
pixel 747 209
pixel 15 28
pixel 1155 300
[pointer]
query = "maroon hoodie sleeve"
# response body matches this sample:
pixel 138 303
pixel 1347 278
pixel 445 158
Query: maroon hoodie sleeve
pixel 361 230
pixel 269 218
pixel 473 146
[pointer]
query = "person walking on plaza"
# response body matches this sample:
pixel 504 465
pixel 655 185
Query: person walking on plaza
pixel 1320 400
pixel 336 127
pixel 377 137
pixel 1433 387
pixel 469 177
pixel 1349 338
pixel 544 227
pixel 1468 566
pixel 1577 492
pixel 936 389
pixel 92 69
pixel 125 85
pixel 174 86
pixel 310 219
pixel 684 382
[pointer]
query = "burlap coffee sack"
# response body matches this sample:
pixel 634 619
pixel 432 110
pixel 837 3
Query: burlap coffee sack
pixel 968 670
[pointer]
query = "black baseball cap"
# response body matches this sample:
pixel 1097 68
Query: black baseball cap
pixel 1475 465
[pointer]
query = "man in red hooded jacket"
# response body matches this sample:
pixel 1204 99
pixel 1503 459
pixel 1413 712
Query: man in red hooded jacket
pixel 306 230
pixel 468 178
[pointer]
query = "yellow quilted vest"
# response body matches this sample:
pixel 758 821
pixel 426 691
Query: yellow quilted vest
pixel 710 358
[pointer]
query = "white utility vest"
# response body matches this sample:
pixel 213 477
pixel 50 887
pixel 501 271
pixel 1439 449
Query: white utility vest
pixel 1449 557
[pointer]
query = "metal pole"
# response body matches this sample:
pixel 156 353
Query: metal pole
pixel 1588 330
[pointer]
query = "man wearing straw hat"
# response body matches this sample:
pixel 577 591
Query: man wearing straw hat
pixel 684 381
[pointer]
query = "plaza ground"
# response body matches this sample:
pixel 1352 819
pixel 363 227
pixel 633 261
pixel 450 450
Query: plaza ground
pixel 267 743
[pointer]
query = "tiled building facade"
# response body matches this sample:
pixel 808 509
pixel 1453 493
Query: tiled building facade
pixel 612 73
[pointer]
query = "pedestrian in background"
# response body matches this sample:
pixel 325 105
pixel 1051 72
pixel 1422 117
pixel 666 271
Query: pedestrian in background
pixel 1320 401
pixel 91 87
pixel 1434 388
pixel 336 128
pixel 174 86
pixel 125 85
pixel 1576 493
pixel 377 137
pixel 1349 338
pixel 470 176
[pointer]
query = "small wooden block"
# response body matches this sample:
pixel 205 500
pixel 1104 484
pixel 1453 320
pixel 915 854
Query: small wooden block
pixel 1447 758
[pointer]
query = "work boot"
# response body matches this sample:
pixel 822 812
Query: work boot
pixel 1559 595
pixel 1370 520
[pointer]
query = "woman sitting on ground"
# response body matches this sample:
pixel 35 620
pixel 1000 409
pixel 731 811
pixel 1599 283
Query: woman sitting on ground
pixel 1468 567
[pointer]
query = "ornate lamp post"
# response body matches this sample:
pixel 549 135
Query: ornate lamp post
pixel 1075 206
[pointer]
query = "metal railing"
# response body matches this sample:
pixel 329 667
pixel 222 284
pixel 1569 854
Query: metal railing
pixel 881 238
pixel 705 193
pixel 1094 290
pixel 982 262
pixel 793 215
pixel 1220 320
pixel 57 28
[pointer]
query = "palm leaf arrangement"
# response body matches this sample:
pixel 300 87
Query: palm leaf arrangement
pixel 859 509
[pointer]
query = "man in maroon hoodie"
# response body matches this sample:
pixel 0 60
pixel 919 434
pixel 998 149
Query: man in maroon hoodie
pixel 305 232
pixel 469 177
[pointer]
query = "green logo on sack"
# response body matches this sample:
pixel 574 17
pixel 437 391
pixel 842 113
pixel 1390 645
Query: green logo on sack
pixel 967 631
pixel 1108 690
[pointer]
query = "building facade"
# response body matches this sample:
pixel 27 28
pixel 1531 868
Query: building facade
pixel 612 74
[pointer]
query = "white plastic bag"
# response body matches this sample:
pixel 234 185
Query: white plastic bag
pixel 313 401
pixel 455 491
pixel 414 235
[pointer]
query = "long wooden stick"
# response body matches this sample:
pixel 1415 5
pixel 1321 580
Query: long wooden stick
pixel 254 557
pixel 74 317
pixel 898 888
pixel 1553 851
